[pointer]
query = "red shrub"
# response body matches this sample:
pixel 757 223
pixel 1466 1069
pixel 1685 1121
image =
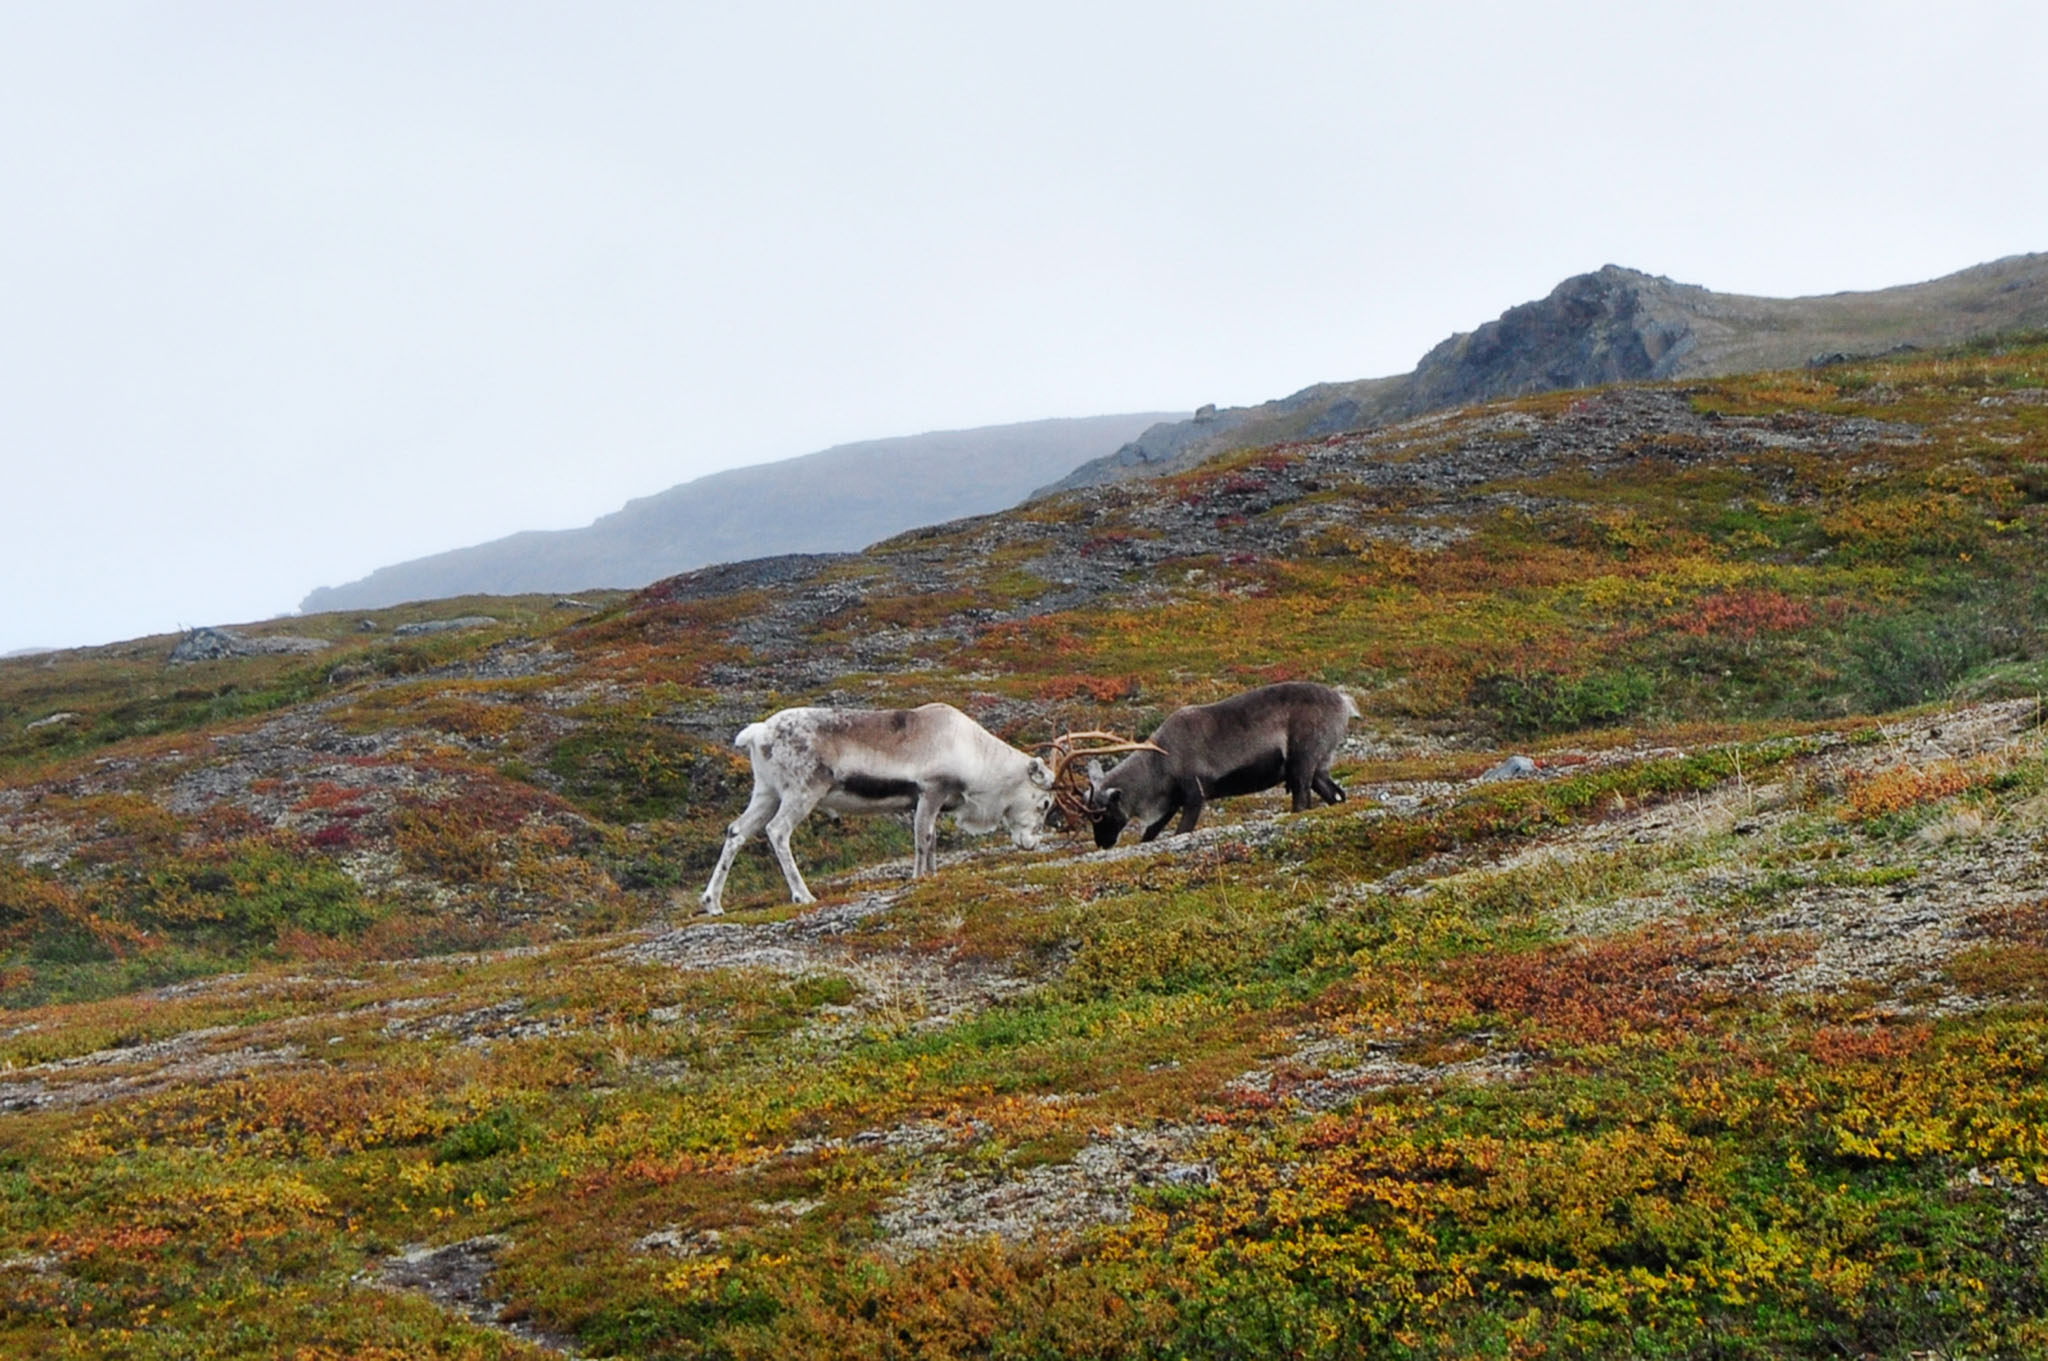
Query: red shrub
pixel 1836 1046
pixel 335 836
pixel 1597 991
pixel 1746 614
pixel 328 795
pixel 1101 689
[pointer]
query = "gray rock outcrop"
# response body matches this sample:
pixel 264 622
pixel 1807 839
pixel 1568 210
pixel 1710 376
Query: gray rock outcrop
pixel 467 621
pixel 214 644
pixel 1613 325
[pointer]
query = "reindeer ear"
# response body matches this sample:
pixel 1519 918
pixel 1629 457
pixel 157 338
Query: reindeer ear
pixel 1095 772
pixel 1041 773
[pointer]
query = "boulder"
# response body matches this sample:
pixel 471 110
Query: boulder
pixel 212 644
pixel 443 625
pixel 467 621
pixel 208 645
pixel 1514 768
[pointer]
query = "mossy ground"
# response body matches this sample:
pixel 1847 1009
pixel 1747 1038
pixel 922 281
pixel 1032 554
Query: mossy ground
pixel 1723 1038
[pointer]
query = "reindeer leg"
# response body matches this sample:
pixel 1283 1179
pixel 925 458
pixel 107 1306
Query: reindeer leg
pixel 759 809
pixel 1192 801
pixel 795 808
pixel 1301 778
pixel 1331 791
pixel 924 832
pixel 1152 830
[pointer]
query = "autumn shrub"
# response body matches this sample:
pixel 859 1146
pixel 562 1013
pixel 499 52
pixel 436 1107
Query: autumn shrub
pixel 123 829
pixel 1894 528
pixel 1746 615
pixel 1147 954
pixel 55 922
pixel 1895 789
pixel 2025 923
pixel 2016 969
pixel 1591 1214
pixel 335 836
pixel 449 841
pixel 1597 991
pixel 334 799
pixel 1101 689
pixel 976 1300
pixel 474 720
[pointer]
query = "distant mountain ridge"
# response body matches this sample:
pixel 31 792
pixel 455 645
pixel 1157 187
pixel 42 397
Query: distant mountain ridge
pixel 1613 325
pixel 839 499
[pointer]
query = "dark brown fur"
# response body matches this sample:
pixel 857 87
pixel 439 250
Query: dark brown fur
pixel 1276 734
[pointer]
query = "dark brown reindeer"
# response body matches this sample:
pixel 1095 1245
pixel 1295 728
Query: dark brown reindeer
pixel 1276 734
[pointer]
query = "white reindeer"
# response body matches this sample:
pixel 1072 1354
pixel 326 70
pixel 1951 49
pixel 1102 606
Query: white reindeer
pixel 933 758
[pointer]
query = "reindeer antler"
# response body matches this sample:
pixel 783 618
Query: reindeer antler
pixel 1067 790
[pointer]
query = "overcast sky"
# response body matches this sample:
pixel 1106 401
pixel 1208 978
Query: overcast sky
pixel 292 291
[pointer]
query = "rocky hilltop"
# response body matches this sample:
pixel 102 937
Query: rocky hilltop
pixel 841 498
pixel 1613 325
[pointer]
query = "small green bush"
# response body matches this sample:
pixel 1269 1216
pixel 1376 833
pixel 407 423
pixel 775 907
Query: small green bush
pixel 1525 705
pixel 249 895
pixel 1922 656
pixel 499 1131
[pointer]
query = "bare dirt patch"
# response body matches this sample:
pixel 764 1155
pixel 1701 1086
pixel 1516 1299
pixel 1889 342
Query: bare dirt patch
pixel 181 1060
pixel 930 987
pixel 949 1205
pixel 458 1277
pixel 1331 1071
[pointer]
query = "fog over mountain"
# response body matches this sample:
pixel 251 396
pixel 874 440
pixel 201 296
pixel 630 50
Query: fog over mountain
pixel 842 498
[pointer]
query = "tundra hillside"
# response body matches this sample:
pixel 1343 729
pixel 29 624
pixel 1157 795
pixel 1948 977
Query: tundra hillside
pixel 355 1009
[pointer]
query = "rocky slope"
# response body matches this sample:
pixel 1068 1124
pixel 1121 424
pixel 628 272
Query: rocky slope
pixel 841 498
pixel 1614 325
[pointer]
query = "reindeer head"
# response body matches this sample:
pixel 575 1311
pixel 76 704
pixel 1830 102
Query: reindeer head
pixel 1018 806
pixel 1026 815
pixel 1105 809
pixel 1078 793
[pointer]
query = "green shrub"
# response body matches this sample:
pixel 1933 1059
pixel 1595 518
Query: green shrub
pixel 1922 656
pixel 1527 704
pixel 250 895
pixel 635 770
pixel 499 1131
